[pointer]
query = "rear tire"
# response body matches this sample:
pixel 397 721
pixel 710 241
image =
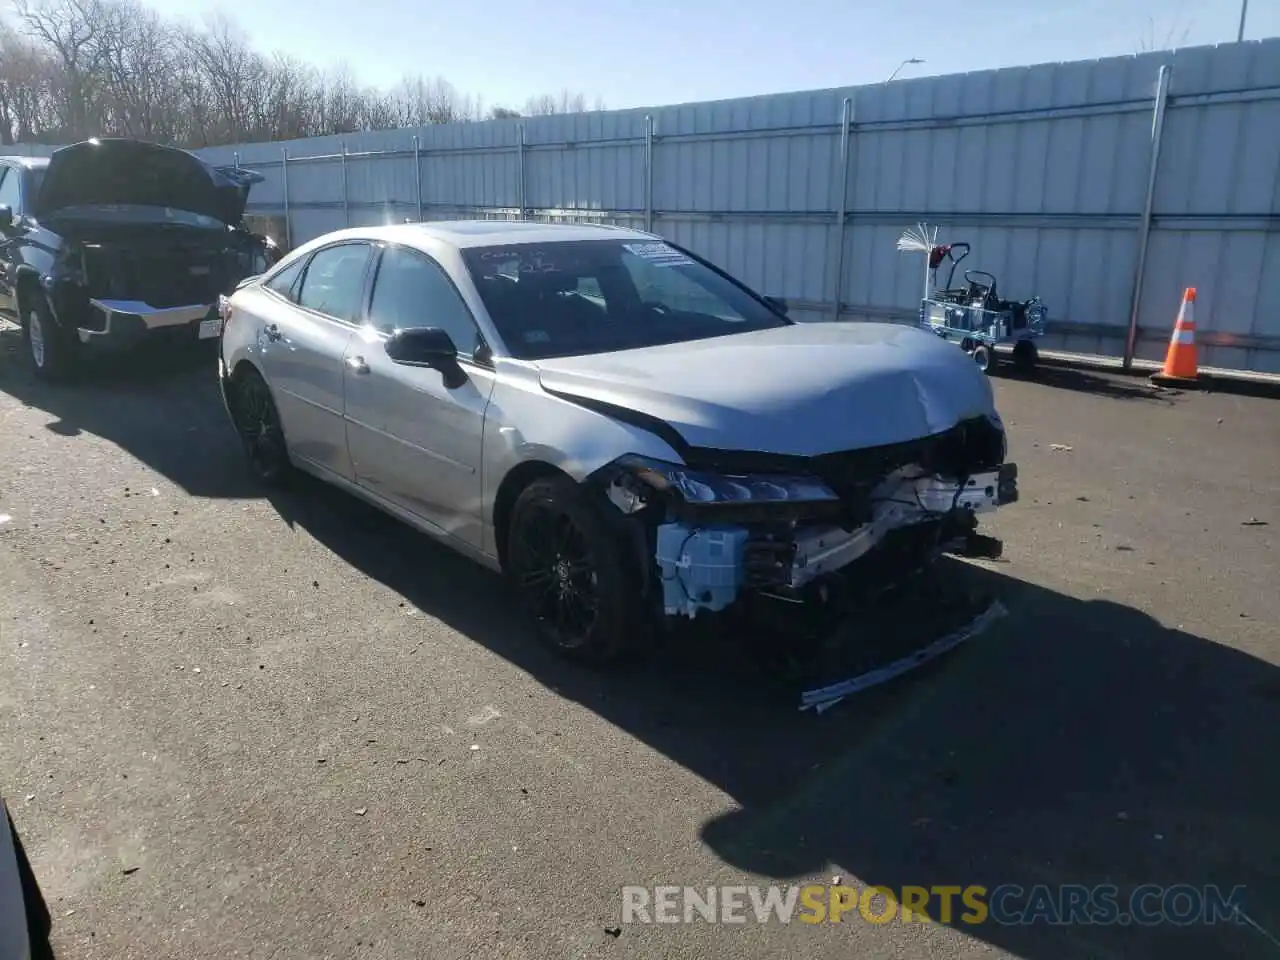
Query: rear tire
pixel 257 421
pixel 571 573
pixel 982 357
pixel 52 351
pixel 1025 356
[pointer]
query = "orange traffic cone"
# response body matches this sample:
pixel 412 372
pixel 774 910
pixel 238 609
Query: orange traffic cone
pixel 1181 365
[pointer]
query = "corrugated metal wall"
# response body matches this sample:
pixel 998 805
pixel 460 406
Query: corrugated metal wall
pixel 1044 170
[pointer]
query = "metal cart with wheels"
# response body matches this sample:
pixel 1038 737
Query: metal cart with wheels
pixel 974 315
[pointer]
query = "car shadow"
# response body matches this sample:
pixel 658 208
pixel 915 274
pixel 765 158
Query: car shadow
pixel 1116 384
pixel 161 405
pixel 1108 384
pixel 1081 742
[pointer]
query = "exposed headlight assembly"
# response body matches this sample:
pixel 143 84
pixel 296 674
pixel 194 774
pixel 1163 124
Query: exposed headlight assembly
pixel 709 488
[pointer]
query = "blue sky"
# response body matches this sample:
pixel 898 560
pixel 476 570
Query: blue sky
pixel 649 52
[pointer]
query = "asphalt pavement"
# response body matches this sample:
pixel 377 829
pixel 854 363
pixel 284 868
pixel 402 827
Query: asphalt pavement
pixel 234 725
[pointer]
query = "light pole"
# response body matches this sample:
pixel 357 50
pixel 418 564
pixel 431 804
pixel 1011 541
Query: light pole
pixel 918 60
pixel 1244 11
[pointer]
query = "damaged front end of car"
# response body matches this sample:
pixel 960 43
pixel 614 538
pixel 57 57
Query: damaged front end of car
pixel 726 528
pixel 121 289
pixel 148 237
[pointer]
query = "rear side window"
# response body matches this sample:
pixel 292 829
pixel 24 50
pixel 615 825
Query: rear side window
pixel 284 282
pixel 334 281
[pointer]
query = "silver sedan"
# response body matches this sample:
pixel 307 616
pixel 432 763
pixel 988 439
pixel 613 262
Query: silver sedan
pixel 628 432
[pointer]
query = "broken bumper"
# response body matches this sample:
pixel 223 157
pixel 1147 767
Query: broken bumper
pixel 823 698
pixel 708 566
pixel 121 323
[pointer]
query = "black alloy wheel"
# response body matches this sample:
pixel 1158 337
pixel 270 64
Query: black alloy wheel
pixel 556 574
pixel 258 422
pixel 568 568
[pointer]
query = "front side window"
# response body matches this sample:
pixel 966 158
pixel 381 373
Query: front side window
pixel 10 191
pixel 412 290
pixel 284 281
pixel 334 281
pixel 596 296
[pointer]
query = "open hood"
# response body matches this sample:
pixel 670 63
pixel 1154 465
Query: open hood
pixel 244 179
pixel 801 390
pixel 134 172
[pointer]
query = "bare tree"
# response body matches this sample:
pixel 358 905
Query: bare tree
pixel 1169 35
pixel 135 53
pixel 70 69
pixel 566 102
pixel 71 30
pixel 25 88
pixel 420 102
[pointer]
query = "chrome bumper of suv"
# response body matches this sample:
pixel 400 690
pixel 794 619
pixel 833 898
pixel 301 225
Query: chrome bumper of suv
pixel 135 317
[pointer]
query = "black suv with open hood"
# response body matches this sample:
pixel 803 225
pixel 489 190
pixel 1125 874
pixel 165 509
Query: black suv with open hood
pixel 113 241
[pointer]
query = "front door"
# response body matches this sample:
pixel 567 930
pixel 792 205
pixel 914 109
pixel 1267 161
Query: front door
pixel 11 197
pixel 414 441
pixel 302 344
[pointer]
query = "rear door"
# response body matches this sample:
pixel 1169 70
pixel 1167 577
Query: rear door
pixel 307 323
pixel 414 441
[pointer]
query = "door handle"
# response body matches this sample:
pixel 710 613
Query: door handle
pixel 357 365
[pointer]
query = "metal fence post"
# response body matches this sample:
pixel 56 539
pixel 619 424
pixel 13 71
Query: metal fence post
pixel 1144 228
pixel 346 206
pixel 284 186
pixel 520 186
pixel 417 174
pixel 846 119
pixel 648 173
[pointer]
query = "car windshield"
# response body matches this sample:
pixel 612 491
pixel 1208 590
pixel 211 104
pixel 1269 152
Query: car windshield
pixel 597 296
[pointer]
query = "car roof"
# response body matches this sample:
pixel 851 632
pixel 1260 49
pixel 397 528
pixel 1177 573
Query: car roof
pixel 30 163
pixel 489 233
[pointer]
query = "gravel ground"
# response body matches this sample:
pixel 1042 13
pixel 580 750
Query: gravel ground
pixel 241 726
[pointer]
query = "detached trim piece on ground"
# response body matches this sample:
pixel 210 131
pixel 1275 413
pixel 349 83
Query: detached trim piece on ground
pixel 823 699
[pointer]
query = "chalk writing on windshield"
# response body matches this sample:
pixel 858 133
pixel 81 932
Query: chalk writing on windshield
pixel 526 261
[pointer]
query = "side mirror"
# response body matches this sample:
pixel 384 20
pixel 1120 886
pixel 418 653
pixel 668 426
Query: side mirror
pixel 6 216
pixel 778 304
pixel 426 347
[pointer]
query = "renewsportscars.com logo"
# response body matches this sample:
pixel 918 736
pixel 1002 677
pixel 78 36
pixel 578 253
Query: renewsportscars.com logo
pixel 1010 905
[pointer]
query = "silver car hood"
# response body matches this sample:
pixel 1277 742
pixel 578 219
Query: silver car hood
pixel 799 390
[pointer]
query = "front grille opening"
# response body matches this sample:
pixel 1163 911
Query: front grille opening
pixel 173 277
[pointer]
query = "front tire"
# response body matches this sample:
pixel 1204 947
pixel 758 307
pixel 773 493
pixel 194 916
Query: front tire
pixel 571 573
pixel 257 421
pixel 51 350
